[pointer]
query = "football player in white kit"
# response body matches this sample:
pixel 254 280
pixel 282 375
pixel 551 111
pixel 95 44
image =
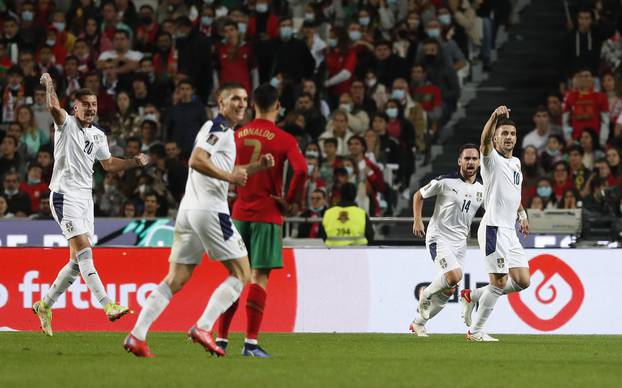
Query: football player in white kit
pixel 458 197
pixel 203 225
pixel 496 234
pixel 78 143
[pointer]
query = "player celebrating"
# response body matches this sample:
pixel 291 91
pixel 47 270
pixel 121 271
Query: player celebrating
pixel 458 197
pixel 258 208
pixel 497 234
pixel 203 224
pixel 77 144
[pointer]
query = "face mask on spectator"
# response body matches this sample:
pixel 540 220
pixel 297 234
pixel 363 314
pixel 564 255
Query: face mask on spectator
pixel 445 19
pixel 275 82
pixel 544 191
pixel 310 169
pixel 11 193
pixel 316 209
pixel 221 12
pixel 332 42
pixel 346 107
pixel 27 16
pixel 261 8
pixel 32 181
pixel 398 94
pixel 552 152
pixel 392 112
pixel 60 26
pixel 151 116
pixel 242 28
pixel 355 35
pixel 430 58
pixel 364 21
pixel 208 2
pixel 146 20
pixel 350 170
pixel 286 32
pixel 206 20
pixel 434 32
pixel 181 35
pixel 50 42
pixel 312 154
pixel 142 188
pixel 370 82
pixel 309 17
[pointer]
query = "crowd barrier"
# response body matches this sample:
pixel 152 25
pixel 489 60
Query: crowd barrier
pixel 324 290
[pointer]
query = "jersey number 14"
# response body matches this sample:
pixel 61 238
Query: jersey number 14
pixel 466 205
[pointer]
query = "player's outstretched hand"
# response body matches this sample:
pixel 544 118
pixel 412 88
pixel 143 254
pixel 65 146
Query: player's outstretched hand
pixel 239 176
pixel 46 80
pixel 524 227
pixel 267 161
pixel 503 111
pixel 141 160
pixel 418 228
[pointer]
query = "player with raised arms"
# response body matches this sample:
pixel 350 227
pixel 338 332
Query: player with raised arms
pixel 496 234
pixel 203 224
pixel 458 197
pixel 78 143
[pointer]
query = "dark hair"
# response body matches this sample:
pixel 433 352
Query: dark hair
pixel 541 109
pixel 468 146
pixel 575 147
pixel 157 150
pixel 83 93
pixel 183 21
pixel 348 192
pixel 557 137
pixel 122 31
pixel 331 140
pixel 185 82
pixel 563 163
pixel 284 18
pixel 134 139
pixel 11 137
pixel 72 58
pixel 230 23
pixel 264 97
pixel 152 124
pixel 597 181
pixel 360 139
pixel 321 191
pixel 15 70
pixel 228 86
pixel 381 115
pixel 382 43
pixel 431 41
pixel 307 95
pixel 505 121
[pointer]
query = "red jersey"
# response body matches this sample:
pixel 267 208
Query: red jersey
pixel 585 109
pixel 34 192
pixel 335 62
pixel 235 64
pixel 429 96
pixel 253 202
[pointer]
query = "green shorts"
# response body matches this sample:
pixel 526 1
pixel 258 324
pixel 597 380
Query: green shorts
pixel 264 243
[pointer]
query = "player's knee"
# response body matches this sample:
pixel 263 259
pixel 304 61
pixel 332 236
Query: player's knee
pixel 176 281
pixel 453 277
pixel 524 283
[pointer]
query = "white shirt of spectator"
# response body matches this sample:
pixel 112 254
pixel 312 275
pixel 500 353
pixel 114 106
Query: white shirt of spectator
pixel 76 149
pixel 535 139
pixel 457 201
pixel 130 55
pixel 202 191
pixel 502 189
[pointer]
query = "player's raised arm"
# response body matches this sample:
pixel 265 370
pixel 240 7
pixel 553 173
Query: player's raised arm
pixel 418 227
pixel 58 113
pixel 200 161
pixel 489 129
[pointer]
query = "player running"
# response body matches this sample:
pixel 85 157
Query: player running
pixel 497 234
pixel 458 197
pixel 78 143
pixel 203 225
pixel 258 208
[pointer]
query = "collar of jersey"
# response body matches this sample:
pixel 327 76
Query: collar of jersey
pixel 219 124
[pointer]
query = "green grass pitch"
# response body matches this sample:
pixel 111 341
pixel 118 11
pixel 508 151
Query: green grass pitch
pixel 95 359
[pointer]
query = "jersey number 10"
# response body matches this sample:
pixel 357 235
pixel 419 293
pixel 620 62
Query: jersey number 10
pixel 516 178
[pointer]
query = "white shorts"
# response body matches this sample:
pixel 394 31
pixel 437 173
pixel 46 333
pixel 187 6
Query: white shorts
pixel 501 248
pixel 447 256
pixel 73 215
pixel 200 231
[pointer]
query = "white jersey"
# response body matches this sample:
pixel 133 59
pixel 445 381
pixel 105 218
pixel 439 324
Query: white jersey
pixel 204 192
pixel 502 189
pixel 75 150
pixel 457 201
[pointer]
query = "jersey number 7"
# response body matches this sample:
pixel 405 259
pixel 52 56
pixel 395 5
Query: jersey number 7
pixel 256 144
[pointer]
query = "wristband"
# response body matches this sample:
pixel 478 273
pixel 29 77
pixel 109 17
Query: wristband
pixel 522 215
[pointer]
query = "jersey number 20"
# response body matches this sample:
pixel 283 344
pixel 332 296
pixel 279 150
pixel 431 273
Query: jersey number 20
pixel 88 147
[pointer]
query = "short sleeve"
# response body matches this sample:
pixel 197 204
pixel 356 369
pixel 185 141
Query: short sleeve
pixel 433 188
pixel 210 142
pixel 490 159
pixel 103 152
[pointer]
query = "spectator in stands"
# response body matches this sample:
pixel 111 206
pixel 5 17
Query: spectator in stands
pixel 360 100
pixel 389 147
pixel 46 63
pixel 358 119
pixel 428 95
pixel 12 38
pixel 562 180
pixel 95 36
pixel 291 56
pixel 340 64
pixel 147 30
pixel 148 131
pixel 44 213
pixel 370 174
pixel 63 35
pixel 46 160
pixel 129 210
pixel 10 159
pixel 34 187
pixel 315 211
pixel 611 88
pixel 578 172
pixel 552 153
pixel 194 56
pixel 586 108
pixel 450 51
pixel 571 199
pixel 555 108
pixel 185 118
pixel 402 130
pixel 602 169
pixel 375 90
pixel 413 112
pixel 388 66
pixel 18 201
pixel 151 206
pixel 171 171
pixel 172 151
pixel 235 61
pixel 29 71
pixel 13 95
pixel 125 122
pixel 330 161
pixel 165 58
pixel 110 78
pixel 591 148
pixel 316 45
pixel 614 158
pixel 337 128
pixel 33 137
pixel 31 34
pixel 536 203
pixel 583 44
pixel 346 223
pixel 43 117
pixel 309 86
pixel 531 172
pixel 601 201
pixel 70 81
pixel 125 59
pixel 171 9
pixel 109 198
pixel 314 120
pixel 314 180
pixel 539 136
pixel 545 191
pixel 129 178
pixel 4 209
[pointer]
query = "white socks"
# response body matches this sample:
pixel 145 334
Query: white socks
pixel 156 303
pixel 65 278
pixel 223 297
pixel 510 287
pixel 439 284
pixel 437 302
pixel 487 302
pixel 90 276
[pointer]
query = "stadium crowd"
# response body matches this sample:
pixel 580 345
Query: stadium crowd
pixel 572 158
pixel 364 85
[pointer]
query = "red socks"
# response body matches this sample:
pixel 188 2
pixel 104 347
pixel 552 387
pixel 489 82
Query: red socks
pixel 255 304
pixel 225 320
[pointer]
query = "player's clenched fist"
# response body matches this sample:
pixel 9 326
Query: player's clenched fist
pixel 239 176
pixel 46 80
pixel 141 160
pixel 267 161
pixel 502 111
